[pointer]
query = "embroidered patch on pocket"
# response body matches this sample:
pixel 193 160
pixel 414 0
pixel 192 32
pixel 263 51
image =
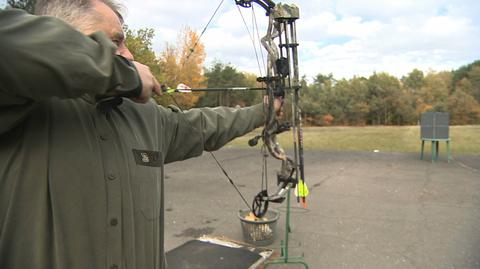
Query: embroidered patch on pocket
pixel 147 157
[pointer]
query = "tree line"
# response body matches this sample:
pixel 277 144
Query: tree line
pixel 380 99
pixel 383 99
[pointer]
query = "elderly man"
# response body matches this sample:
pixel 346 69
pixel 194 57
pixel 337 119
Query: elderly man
pixel 82 147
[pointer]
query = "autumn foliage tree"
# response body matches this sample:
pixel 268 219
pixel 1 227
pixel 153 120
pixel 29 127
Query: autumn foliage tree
pixel 183 63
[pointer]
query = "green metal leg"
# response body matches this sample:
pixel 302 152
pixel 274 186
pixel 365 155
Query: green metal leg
pixel 285 259
pixel 449 157
pixel 298 260
pixel 421 152
pixel 433 151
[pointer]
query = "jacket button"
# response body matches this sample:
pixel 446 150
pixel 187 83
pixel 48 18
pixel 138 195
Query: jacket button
pixel 113 266
pixel 103 137
pixel 112 176
pixel 113 222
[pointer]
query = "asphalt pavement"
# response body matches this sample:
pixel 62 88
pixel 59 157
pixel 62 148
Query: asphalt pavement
pixel 365 209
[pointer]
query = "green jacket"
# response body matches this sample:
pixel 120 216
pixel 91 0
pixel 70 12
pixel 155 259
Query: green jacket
pixel 82 187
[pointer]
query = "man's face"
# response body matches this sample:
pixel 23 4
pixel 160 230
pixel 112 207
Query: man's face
pixel 111 25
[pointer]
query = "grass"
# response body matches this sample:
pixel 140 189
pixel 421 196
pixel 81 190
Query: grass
pixel 463 139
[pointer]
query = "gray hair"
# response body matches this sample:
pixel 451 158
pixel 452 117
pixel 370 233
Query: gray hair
pixel 78 13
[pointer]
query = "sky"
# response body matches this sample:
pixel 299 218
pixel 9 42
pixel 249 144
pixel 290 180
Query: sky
pixel 344 37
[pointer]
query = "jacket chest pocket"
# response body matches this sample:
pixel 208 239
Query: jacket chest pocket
pixel 148 183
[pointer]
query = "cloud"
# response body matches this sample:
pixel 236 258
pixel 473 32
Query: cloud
pixel 396 42
pixel 234 40
pixel 343 37
pixel 167 16
pixel 326 26
pixel 385 10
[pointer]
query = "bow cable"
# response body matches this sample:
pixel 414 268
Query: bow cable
pixel 258 208
pixel 192 49
pixel 252 37
pixel 213 156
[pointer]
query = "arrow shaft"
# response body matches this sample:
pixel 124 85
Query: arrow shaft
pixel 222 89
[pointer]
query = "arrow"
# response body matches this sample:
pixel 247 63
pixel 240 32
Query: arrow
pixel 185 89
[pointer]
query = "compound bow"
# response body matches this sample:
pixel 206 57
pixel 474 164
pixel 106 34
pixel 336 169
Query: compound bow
pixel 282 75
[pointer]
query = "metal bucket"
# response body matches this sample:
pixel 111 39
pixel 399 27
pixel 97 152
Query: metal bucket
pixel 259 232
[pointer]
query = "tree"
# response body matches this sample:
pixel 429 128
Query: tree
pixel 315 100
pixel 192 57
pixel 250 97
pixel 474 77
pixel 470 83
pixel 414 80
pixel 28 5
pixel 357 108
pixel 139 43
pixel 463 71
pixel 383 90
pixel 183 63
pixel 340 101
pixel 405 107
pixel 225 75
pixel 434 93
pixel 169 65
pixel 464 109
